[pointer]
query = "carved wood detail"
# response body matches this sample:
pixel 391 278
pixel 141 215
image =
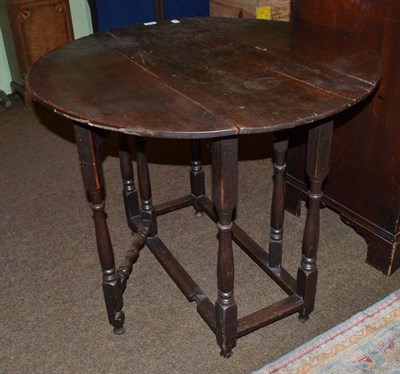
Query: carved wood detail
pixel 59 7
pixel 24 14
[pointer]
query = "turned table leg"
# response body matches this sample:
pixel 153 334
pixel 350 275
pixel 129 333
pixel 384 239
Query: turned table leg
pixel 197 182
pixel 278 201
pixel 318 157
pixel 129 192
pixel 132 209
pixel 88 143
pixel 148 212
pixel 225 191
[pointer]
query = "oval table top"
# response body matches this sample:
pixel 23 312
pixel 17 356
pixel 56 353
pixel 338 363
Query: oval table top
pixel 205 77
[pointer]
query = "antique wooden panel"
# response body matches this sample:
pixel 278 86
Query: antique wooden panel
pixel 363 185
pixel 37 26
pixel 277 10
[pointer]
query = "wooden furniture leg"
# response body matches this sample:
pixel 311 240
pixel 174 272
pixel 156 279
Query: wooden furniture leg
pixel 197 181
pixel 318 157
pixel 132 209
pixel 148 212
pixel 129 192
pixel 225 191
pixel 278 201
pixel 88 143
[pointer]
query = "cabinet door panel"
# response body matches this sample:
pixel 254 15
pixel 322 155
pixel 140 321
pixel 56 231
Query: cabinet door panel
pixel 38 27
pixel 365 175
pixel 364 183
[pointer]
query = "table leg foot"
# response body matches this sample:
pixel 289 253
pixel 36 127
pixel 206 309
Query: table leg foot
pixel 113 288
pixel 119 331
pixel 226 314
pixel 226 354
pixel 307 277
pixel 303 318
pixel 119 320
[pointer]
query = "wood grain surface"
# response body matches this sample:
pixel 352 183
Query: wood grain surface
pixel 205 77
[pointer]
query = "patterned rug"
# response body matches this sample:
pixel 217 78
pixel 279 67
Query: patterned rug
pixel 369 342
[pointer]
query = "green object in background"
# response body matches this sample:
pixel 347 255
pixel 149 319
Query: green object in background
pixel 81 22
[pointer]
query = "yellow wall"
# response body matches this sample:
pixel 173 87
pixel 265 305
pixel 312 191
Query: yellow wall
pixel 82 26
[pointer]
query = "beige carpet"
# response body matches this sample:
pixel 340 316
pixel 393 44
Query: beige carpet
pixel 52 315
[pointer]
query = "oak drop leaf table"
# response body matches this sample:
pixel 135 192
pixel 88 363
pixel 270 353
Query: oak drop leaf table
pixel 206 78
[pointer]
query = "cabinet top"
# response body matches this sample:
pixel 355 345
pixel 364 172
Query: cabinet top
pixel 205 77
pixel 11 3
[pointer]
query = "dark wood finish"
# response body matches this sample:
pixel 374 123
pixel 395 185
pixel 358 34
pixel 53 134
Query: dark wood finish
pixel 278 201
pixel 363 185
pixel 129 192
pixel 132 208
pixel 87 143
pixel 269 314
pixel 176 204
pixel 225 186
pixel 318 157
pixel 37 26
pixel 216 79
pixel 197 180
pixel 199 88
pixel 261 257
pixel 148 211
pixel 175 270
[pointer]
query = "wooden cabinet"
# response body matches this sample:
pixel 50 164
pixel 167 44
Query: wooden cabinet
pixel 32 28
pixel 364 183
pixel 278 10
